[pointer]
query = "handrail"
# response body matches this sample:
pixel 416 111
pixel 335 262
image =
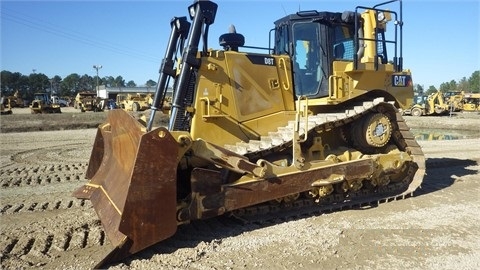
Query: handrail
pixel 284 64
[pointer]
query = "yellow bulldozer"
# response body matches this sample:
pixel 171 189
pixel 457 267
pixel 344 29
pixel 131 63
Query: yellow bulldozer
pixel 315 117
pixel 42 103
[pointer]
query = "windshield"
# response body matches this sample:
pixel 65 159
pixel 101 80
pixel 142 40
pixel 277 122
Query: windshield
pixel 39 96
pixel 307 58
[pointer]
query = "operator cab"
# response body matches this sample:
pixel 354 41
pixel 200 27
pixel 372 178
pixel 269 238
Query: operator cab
pixel 43 97
pixel 314 40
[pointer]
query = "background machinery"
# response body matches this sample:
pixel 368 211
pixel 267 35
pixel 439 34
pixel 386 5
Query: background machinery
pixel 471 102
pixel 16 100
pixel 62 102
pixel 42 103
pixel 435 104
pixel 455 100
pixel 5 107
pixel 88 101
pixel 315 118
pixel 134 102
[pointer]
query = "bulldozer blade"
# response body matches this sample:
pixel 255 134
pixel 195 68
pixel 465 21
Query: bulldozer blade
pixel 132 184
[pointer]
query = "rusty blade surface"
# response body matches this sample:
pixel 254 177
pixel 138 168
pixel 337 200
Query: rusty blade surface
pixel 132 184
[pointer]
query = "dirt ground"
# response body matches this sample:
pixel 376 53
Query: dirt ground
pixel 42 226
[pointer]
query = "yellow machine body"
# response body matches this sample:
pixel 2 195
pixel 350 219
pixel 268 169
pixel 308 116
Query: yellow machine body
pixel 42 103
pixel 248 129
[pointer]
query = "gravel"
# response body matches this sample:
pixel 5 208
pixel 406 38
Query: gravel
pixel 43 226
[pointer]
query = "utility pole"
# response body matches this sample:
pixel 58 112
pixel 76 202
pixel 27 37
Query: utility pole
pixel 51 86
pixel 97 67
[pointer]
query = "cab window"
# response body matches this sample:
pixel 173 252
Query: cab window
pixel 343 45
pixel 307 60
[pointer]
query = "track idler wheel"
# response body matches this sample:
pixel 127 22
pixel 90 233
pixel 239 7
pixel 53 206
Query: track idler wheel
pixel 373 131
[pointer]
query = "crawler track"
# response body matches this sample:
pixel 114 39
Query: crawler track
pixel 282 139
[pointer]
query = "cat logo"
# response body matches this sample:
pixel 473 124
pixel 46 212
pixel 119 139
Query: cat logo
pixel 401 80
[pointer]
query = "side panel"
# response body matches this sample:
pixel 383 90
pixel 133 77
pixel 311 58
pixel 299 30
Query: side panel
pixel 347 83
pixel 241 96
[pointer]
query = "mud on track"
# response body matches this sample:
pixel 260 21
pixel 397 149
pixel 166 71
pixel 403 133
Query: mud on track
pixel 42 226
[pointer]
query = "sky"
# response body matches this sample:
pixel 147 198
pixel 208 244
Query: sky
pixel 441 39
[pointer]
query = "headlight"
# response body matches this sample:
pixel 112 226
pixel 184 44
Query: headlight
pixel 177 23
pixel 191 10
pixel 380 16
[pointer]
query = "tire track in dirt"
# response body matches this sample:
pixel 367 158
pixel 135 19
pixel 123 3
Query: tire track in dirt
pixel 42 226
pixel 23 246
pixel 52 154
pixel 31 235
pixel 23 207
pixel 21 176
pixel 36 186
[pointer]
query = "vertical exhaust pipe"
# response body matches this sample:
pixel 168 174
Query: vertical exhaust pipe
pixel 180 27
pixel 201 12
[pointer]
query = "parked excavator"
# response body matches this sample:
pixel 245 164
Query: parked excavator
pixel 315 117
pixel 16 100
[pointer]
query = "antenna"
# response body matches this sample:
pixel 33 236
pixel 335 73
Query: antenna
pixel 284 11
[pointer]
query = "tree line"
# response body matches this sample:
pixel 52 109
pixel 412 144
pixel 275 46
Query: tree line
pixel 468 85
pixel 69 86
